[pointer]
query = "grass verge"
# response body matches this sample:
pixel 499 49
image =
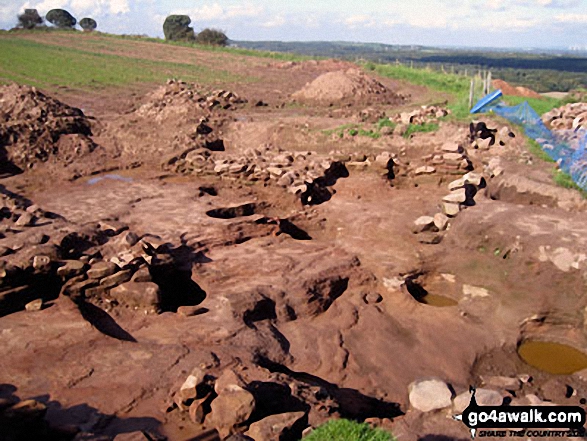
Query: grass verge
pixel 345 430
pixel 565 180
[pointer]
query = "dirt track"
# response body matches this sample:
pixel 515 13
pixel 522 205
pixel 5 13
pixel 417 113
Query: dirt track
pixel 311 296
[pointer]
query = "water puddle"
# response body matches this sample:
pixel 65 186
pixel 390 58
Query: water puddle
pixel 438 301
pixel 418 292
pixel 97 179
pixel 553 358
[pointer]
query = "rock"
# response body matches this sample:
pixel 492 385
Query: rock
pixel 189 389
pixel 101 269
pixel 142 275
pixel 35 305
pixel 231 409
pixel 440 221
pixel 452 147
pixel 112 227
pixel 275 171
pixel 474 179
pixel 457 184
pixel 132 436
pixel 41 262
pixel 456 197
pixel 221 168
pixel 227 381
pixel 372 298
pixel 484 144
pixel 71 268
pixel 116 279
pixel 277 427
pixel 428 395
pixel 131 238
pixel 505 383
pixel 26 411
pixel 474 291
pixel 138 294
pixel 453 158
pixel 286 180
pixel 450 209
pixel 484 397
pixel 25 220
pixel 424 170
pixel 423 223
pixel 197 410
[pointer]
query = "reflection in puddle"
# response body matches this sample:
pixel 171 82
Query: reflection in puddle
pixel 438 301
pixel 112 177
pixel 553 358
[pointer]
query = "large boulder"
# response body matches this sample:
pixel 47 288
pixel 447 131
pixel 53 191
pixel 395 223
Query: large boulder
pixel 428 395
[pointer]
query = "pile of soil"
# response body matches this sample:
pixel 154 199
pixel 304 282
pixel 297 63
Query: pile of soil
pixel 178 98
pixel 341 86
pixel 508 89
pixel 174 117
pixel 35 128
pixel 571 116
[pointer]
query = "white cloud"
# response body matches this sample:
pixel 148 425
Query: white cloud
pixel 571 18
pixel 274 22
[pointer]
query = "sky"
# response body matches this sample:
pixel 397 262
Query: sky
pixel 472 23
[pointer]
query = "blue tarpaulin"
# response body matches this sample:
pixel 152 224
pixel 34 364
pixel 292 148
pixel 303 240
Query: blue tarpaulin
pixel 567 147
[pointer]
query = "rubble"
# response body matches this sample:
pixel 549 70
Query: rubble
pixel 36 128
pixel 420 116
pixel 568 117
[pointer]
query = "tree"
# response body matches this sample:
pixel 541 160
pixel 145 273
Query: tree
pixel 88 24
pixel 176 27
pixel 213 37
pixel 29 19
pixel 61 18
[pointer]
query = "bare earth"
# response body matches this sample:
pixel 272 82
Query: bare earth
pixel 248 241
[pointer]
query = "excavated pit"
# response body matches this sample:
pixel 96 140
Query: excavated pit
pixel 551 357
pixel 421 295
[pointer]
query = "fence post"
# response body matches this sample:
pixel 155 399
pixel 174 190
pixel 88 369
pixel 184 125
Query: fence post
pixel 471 93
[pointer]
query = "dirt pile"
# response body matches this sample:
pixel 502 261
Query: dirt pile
pixel 508 89
pixel 174 117
pixel 569 117
pixel 178 99
pixel 345 86
pixel 35 128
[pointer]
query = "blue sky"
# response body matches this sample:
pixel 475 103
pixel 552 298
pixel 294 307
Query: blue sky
pixel 498 23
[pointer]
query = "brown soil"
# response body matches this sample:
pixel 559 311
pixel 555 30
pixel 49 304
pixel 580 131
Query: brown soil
pixel 340 86
pixel 283 266
pixel 508 89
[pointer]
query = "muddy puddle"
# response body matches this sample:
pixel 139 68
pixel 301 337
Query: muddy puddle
pixel 437 300
pixel 553 358
pixel 112 177
pixel 418 292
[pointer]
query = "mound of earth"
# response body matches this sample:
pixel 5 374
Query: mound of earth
pixel 349 85
pixel 35 127
pixel 508 89
pixel 175 116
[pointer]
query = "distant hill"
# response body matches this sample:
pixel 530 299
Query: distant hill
pixel 539 69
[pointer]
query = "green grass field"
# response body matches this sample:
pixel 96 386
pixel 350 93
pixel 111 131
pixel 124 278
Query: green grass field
pixel 45 65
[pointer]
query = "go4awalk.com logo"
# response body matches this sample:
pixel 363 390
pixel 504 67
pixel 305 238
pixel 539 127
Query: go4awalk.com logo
pixel 523 421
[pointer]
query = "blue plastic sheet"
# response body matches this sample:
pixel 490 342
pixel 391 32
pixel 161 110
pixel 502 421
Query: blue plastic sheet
pixel 567 147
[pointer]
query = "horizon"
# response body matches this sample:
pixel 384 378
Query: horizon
pixel 499 24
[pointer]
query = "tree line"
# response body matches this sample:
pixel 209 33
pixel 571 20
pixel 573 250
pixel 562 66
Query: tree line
pixel 175 27
pixel 30 19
